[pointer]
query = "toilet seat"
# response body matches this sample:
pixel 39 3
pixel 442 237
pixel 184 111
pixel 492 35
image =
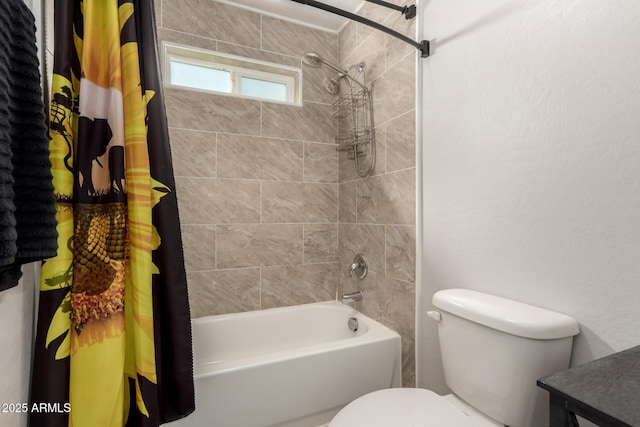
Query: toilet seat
pixel 406 407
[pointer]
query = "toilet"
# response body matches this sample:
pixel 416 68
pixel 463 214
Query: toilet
pixel 493 351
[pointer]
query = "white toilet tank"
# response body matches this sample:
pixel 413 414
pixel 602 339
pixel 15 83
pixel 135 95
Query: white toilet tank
pixel 494 349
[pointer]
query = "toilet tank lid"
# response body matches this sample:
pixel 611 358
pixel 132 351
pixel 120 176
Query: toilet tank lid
pixel 505 315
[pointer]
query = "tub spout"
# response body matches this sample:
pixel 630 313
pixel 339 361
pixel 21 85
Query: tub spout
pixel 351 297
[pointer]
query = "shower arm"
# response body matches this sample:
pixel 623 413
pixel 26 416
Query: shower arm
pixel 422 46
pixel 409 12
pixel 342 73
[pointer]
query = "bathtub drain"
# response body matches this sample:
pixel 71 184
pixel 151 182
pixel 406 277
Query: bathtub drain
pixel 353 324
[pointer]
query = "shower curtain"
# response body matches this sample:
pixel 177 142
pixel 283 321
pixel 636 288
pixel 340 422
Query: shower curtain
pixel 113 344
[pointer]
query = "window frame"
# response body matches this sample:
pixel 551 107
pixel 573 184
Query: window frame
pixel 238 67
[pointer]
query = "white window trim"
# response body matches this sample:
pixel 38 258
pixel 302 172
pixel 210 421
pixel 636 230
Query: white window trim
pixel 291 77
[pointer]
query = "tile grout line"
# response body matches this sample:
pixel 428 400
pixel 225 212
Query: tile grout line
pixel 385 251
pixel 260 288
pixel 303 245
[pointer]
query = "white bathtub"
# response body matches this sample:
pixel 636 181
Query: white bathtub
pixel 287 367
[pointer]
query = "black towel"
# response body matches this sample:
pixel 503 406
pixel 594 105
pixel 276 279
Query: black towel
pixel 27 202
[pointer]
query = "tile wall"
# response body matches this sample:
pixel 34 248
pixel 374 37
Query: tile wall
pixel 257 181
pixel 377 213
pixel 271 215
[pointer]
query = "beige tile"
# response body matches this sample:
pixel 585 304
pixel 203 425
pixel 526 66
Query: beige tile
pixel 394 91
pixel 237 290
pixel 298 284
pixel 250 157
pixel 224 291
pixel 193 153
pixel 177 37
pixel 348 202
pixel 372 53
pixel 216 201
pixel 314 88
pixel 320 163
pixel 157 6
pixel 375 13
pixel 258 245
pixel 201 294
pixel 408 361
pixel 294 202
pixel 396 49
pixel 391 302
pixel 401 142
pixel 311 122
pixel 387 199
pixel 212 19
pixel 199 244
pixel 192 109
pixel 320 243
pixel 319 123
pixel 248 52
pixel 381 150
pixel 400 249
pixel 362 238
pixel 293 39
pixel 346 167
pixel 346 41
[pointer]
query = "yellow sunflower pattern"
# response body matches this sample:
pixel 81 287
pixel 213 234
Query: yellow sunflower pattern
pixel 104 324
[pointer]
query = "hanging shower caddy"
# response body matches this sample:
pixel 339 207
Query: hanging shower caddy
pixel 356 130
pixel 354 111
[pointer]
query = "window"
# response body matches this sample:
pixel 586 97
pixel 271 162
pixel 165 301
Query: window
pixel 213 71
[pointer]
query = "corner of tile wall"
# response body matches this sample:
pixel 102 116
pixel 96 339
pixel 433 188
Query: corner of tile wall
pixel 377 213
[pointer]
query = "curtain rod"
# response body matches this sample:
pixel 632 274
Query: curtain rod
pixel 422 46
pixel 409 12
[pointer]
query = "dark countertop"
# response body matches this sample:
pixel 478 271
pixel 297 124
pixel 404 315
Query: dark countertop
pixel 609 386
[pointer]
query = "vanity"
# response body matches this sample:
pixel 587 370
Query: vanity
pixel 604 391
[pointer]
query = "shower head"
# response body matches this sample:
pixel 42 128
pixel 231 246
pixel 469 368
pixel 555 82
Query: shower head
pixel 312 59
pixel 332 85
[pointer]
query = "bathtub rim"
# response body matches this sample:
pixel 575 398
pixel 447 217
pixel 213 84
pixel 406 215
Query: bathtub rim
pixel 377 332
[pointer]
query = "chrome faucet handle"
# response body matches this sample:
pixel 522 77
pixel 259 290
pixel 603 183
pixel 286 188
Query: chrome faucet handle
pixel 360 266
pixel 353 267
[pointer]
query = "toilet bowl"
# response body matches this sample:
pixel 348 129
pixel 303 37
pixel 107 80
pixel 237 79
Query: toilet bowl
pixel 493 351
pixel 409 407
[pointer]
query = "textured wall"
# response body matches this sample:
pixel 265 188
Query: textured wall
pixel 16 317
pixel 531 163
pixel 377 213
pixel 257 181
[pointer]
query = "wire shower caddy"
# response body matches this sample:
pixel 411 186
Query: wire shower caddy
pixel 356 130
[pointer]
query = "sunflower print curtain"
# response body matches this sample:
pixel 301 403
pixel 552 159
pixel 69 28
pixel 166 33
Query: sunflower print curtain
pixel 113 344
